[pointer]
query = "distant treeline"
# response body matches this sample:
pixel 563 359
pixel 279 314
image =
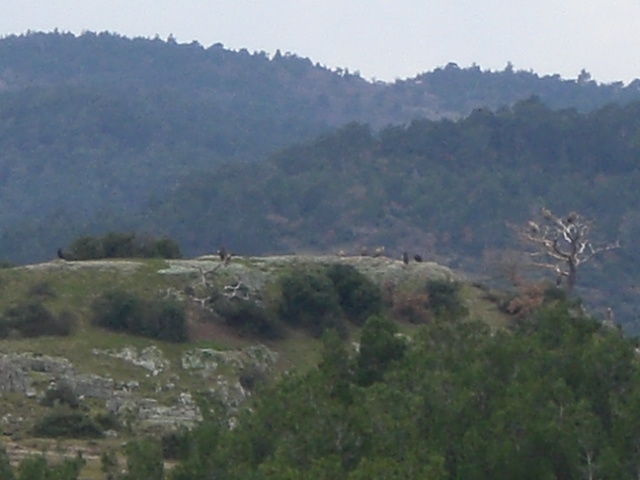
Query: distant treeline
pixel 120 245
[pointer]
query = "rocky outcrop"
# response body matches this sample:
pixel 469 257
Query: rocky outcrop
pixel 210 361
pixel 150 358
pixel 222 370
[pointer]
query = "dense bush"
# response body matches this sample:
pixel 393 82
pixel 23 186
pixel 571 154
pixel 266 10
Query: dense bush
pixel 36 467
pixel 165 320
pixel 359 297
pixel 122 245
pixel 379 346
pixel 309 300
pixel 32 319
pixel 123 311
pixel 118 310
pixel 66 424
pixel 175 445
pixel 248 318
pixel 108 421
pixel 444 299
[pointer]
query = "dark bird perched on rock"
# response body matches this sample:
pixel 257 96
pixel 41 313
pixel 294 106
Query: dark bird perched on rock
pixel 405 258
pixel 61 254
pixel 222 253
pixel 417 258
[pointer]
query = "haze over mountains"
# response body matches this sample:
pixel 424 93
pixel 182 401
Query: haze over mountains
pixel 101 132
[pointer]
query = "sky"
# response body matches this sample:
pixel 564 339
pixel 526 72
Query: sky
pixel 381 39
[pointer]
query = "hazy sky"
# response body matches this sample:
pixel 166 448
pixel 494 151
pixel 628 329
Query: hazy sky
pixel 382 39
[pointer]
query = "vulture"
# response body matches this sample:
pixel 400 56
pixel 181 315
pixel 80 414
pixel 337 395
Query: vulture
pixel 405 258
pixel 417 258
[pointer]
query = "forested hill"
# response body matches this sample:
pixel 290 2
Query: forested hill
pixel 448 190
pixel 281 85
pixel 101 132
pixel 98 123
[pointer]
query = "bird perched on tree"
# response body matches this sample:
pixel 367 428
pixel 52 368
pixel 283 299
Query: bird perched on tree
pixel 572 217
pixel 546 213
pixel 222 253
pixel 417 258
pixel 405 258
pixel 533 226
pixel 61 254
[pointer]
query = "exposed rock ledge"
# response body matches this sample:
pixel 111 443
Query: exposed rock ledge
pixel 221 368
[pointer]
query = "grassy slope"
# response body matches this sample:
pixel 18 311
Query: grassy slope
pixel 74 285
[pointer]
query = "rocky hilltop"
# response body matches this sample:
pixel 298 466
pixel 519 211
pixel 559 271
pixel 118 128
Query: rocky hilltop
pixel 146 385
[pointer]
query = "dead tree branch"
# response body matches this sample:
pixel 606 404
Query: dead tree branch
pixel 562 244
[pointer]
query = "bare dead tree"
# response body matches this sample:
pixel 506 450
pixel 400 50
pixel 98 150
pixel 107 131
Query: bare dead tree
pixel 562 244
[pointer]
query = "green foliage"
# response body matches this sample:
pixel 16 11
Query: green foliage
pixel 248 318
pixel 164 320
pixel 118 310
pixel 123 311
pixel 360 298
pixel 320 299
pixel 32 319
pixel 144 460
pixel 108 421
pixel 122 245
pixel 67 424
pixel 6 472
pixel 379 347
pixel 444 299
pixel 309 300
pixel 86 247
pixel 37 468
pixel 553 398
pixel 175 445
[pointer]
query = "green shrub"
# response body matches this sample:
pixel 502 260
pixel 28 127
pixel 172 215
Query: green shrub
pixel 32 319
pixel 86 248
pixel 248 318
pixel 163 248
pixel 108 421
pixel 176 445
pixel 309 300
pixel 122 245
pixel 379 346
pixel 165 320
pixel 444 299
pixel 360 298
pixel 119 245
pixel 118 310
pixel 123 311
pixel 65 424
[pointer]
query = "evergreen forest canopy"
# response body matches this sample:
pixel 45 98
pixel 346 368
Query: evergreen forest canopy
pixel 99 132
